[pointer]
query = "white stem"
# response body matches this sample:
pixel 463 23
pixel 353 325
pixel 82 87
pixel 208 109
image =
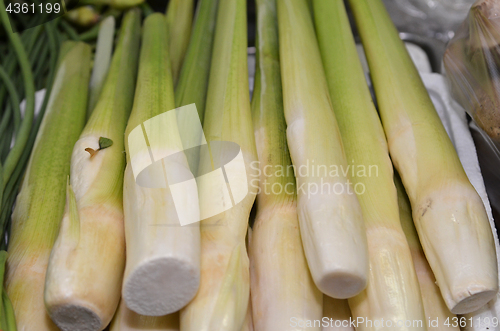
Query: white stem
pixel 330 217
pixel 282 287
pixel 85 271
pixel 163 257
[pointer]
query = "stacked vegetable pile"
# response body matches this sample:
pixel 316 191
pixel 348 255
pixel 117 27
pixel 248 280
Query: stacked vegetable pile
pixel 89 248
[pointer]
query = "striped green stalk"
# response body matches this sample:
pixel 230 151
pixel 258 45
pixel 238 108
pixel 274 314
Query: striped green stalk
pixel 84 276
pixel 127 320
pixel 281 284
pixel 102 60
pixel 179 24
pixel 434 305
pixel 449 214
pixel 364 142
pixel 156 243
pixel 40 204
pixel 331 222
pixel 154 50
pixel 222 300
pixel 192 87
pixel 193 80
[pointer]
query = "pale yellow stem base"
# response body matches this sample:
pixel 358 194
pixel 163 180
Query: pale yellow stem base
pixel 25 283
pixel 127 320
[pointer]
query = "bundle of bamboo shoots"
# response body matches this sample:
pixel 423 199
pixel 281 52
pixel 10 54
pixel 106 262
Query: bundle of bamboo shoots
pixel 449 214
pixel 157 238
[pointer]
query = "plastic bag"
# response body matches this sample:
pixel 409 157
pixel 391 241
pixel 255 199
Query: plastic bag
pixel 472 63
pixel 436 19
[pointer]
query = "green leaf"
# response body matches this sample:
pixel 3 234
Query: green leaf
pixel 105 143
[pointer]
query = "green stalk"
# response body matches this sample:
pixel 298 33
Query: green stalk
pixel 91 33
pixel 5 122
pixel 10 318
pixel 331 221
pixel 268 111
pixel 24 130
pixel 281 284
pixel 193 80
pixel 40 204
pixel 192 87
pixel 34 54
pixel 222 300
pixel 449 215
pixel 102 60
pixel 152 67
pixel 73 297
pixel 13 97
pixel 5 145
pixel 364 143
pixel 73 35
pixel 40 68
pixel 28 39
pixel 179 22
pixel 156 243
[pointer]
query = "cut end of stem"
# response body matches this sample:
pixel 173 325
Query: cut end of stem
pixel 342 285
pixel 474 302
pixel 161 286
pixel 72 317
